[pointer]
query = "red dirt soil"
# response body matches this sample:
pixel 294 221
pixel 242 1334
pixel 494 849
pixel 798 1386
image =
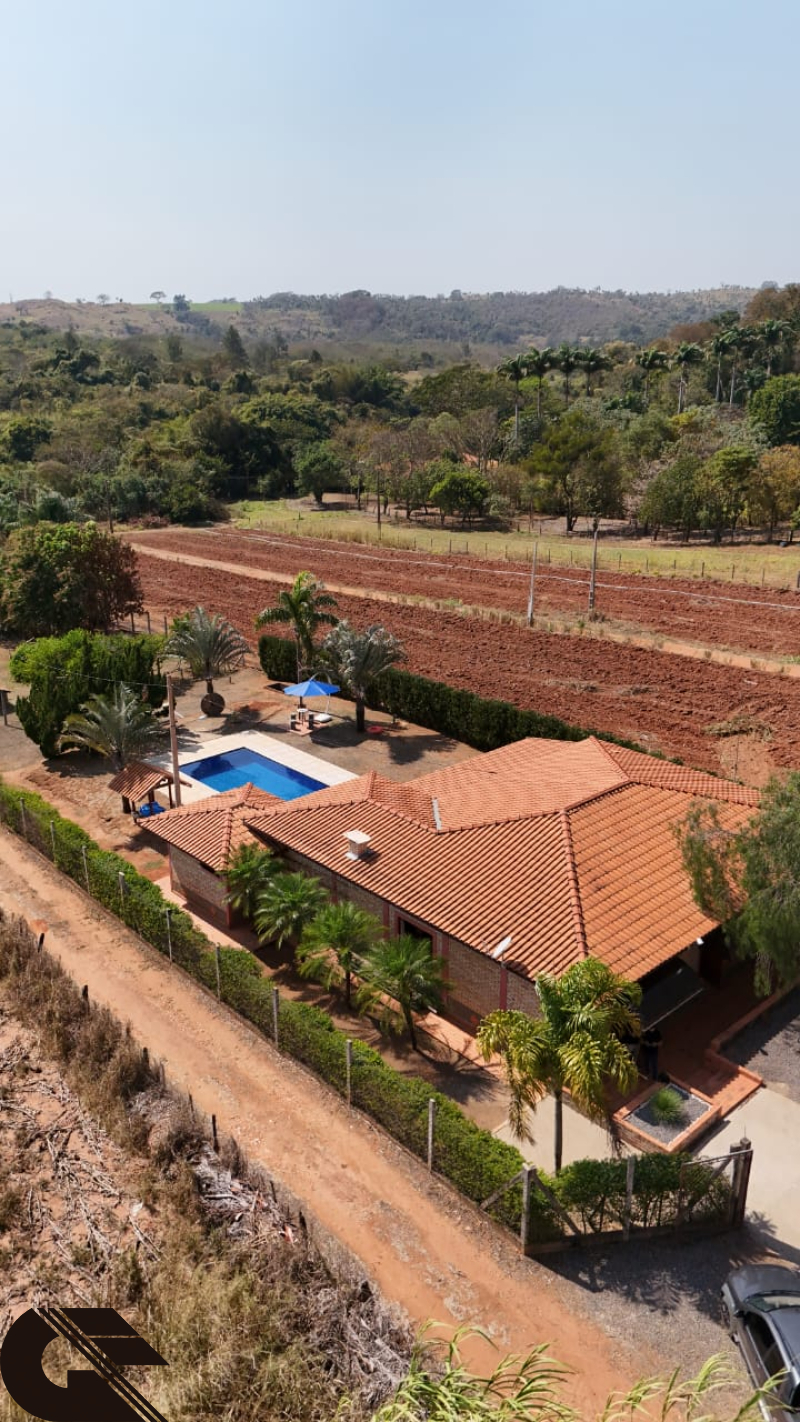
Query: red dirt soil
pixel 663 702
pixel 713 613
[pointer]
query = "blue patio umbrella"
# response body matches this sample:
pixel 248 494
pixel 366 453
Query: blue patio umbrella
pixel 310 688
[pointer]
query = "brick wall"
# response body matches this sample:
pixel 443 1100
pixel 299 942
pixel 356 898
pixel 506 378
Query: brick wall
pixel 198 884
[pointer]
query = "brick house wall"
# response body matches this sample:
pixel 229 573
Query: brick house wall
pixel 199 885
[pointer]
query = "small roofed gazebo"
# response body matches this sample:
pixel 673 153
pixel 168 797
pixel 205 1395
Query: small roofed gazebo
pixel 137 783
pixel 202 837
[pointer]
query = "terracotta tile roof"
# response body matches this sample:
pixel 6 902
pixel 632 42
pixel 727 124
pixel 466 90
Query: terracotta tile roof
pixel 567 846
pixel 138 778
pixel 211 829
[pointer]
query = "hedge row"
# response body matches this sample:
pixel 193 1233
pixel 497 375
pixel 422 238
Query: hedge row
pixel 471 1158
pixel 484 724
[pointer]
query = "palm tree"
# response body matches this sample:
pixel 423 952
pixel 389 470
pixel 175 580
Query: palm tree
pixel 514 369
pixel 566 359
pixel 250 869
pixel 285 905
pixel 120 727
pixel 357 658
pixel 718 348
pixel 773 336
pixel 575 1045
pixel 538 363
pixel 305 608
pixel 404 970
pixel 687 353
pixel 740 340
pixel 592 361
pixel 651 361
pixel 334 943
pixel 209 645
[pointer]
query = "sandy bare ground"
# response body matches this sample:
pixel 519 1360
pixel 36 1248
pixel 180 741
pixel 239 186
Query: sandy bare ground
pixel 424 1248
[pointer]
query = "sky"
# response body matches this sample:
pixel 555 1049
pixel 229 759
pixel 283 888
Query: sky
pixel 324 145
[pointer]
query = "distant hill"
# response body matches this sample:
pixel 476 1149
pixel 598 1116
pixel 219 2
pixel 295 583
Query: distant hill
pixel 495 323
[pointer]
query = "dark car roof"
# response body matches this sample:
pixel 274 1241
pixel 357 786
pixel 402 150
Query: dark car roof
pixel 762 1279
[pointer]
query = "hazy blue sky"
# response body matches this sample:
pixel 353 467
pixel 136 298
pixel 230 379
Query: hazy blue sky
pixel 320 145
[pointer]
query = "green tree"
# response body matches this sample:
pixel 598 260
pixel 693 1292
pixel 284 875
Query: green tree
pixel 567 360
pixel 652 362
pixel 776 406
pixel 576 468
pixel 724 482
pixel 249 871
pixel 537 364
pixel 460 491
pixel 592 362
pixel 688 353
pixel 574 1046
pixel 305 608
pixel 774 492
pixel 120 727
pixel 233 346
pixel 320 469
pixel 334 944
pixel 748 878
pixel 54 577
pixel 357 659
pixel 673 498
pixel 404 971
pixel 22 436
pixel 210 646
pixel 515 370
pixel 285 906
pixel 774 337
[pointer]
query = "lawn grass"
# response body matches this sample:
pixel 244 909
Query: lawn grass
pixel 756 564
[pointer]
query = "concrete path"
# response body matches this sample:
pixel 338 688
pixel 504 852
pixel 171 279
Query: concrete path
pixel 772 1122
pixel 582 1138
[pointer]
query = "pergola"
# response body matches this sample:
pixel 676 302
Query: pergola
pixel 137 782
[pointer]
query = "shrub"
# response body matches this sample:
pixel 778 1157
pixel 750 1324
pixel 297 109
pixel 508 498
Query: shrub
pixel 668 1106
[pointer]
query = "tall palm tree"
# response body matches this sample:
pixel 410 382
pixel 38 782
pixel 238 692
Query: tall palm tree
pixel 651 361
pixel 285 905
pixel 305 608
pixel 209 645
pixel 334 943
pixel 575 1045
pixel 592 361
pixel 567 360
pixel 688 353
pixel 405 971
pixel 773 336
pixel 740 340
pixel 514 369
pixel 120 727
pixel 538 363
pixel 250 869
pixel 718 348
pixel 357 659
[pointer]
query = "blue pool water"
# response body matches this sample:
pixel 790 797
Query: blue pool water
pixel 228 771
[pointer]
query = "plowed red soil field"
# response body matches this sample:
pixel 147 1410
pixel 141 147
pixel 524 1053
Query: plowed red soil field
pixel 712 613
pixel 663 702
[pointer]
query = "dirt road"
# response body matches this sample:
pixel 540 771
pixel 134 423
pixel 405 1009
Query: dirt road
pixel 423 1247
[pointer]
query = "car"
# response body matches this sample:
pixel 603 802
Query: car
pixel 763 1306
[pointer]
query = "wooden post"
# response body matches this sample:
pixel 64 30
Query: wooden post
pixel 431 1125
pixel 147 617
pixel 166 629
pixel 4 705
pixel 532 592
pixel 53 838
pixel 703 569
pixel 133 624
pixel 629 1177
pixel 121 882
pixel 173 739
pixel 593 574
pixel 527 1172
pixel 275 1002
pixel 742 1153
pixel 348 1058
pixel 216 965
pixel 86 868
pixel 214 1135
pixel 168 916
pixel 22 819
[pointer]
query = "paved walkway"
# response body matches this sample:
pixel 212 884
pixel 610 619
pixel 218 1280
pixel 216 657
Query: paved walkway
pixel 772 1122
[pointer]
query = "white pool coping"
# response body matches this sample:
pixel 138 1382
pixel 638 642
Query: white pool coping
pixel 284 754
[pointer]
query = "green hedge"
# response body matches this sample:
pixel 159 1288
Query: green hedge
pixel 461 715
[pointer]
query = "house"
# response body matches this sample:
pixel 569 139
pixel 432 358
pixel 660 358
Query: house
pixel 521 861
pixel 201 838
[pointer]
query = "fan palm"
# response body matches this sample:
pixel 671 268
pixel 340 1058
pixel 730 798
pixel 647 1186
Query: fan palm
pixel 687 353
pixel 651 361
pixel 575 1045
pixel 357 658
pixel 566 359
pixel 120 727
pixel 209 645
pixel 404 970
pixel 249 870
pixel 537 363
pixel 305 608
pixel 514 369
pixel 334 943
pixel 285 905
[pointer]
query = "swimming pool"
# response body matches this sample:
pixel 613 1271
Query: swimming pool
pixel 234 768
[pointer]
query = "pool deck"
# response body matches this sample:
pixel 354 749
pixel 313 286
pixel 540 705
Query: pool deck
pixel 291 756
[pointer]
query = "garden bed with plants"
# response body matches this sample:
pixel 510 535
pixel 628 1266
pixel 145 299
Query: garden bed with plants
pixel 670 1115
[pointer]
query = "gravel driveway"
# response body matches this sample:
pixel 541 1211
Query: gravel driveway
pixel 771 1046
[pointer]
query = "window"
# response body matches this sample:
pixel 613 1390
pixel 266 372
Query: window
pixel 412 929
pixel 765 1344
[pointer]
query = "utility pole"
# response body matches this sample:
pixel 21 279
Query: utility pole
pixel 173 739
pixel 531 594
pixel 593 579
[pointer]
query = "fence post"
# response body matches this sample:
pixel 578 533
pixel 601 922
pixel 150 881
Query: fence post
pixel 527 1172
pixel 86 868
pixel 275 1001
pixel 121 882
pixel 742 1153
pixel 166 629
pixel 348 1058
pixel 147 619
pixel 216 965
pixel 22 819
pixel 133 624
pixel 629 1177
pixel 53 838
pixel 431 1125
pixel 168 916
pixel 214 1135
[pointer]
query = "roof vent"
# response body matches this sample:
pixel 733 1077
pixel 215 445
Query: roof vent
pixel 358 844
